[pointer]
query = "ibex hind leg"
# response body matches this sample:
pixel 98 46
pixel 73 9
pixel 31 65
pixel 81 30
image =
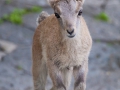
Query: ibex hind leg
pixel 40 76
pixel 39 67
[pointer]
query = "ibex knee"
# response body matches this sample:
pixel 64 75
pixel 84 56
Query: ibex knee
pixel 80 79
pixel 60 85
pixel 81 86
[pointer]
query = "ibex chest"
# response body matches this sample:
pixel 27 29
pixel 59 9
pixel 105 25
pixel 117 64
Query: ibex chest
pixel 66 54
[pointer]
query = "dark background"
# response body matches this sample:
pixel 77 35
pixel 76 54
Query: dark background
pixel 17 26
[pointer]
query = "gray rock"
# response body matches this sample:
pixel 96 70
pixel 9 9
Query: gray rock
pixel 8 8
pixel 8 47
pixel 98 76
pixel 113 12
pixel 104 72
pixel 15 69
pixel 29 20
pixel 16 34
pixel 29 3
pixel 92 7
pixel 5 9
pixel 2 54
pixel 102 31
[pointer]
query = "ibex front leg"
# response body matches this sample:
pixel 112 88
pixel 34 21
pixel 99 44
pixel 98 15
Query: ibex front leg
pixel 60 78
pixel 80 74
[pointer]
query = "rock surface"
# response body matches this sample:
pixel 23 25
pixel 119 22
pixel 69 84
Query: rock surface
pixel 6 48
pixel 104 60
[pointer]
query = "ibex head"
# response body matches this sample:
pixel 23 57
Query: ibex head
pixel 68 13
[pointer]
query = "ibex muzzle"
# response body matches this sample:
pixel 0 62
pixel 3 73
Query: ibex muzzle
pixel 70 27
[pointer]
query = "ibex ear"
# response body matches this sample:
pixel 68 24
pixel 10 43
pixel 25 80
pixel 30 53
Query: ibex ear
pixel 81 1
pixel 51 2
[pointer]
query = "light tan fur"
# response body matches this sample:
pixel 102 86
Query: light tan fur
pixel 55 52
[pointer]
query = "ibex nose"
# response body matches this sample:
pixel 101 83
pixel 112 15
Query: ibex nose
pixel 70 32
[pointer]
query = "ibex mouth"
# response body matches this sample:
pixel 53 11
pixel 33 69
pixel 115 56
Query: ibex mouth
pixel 71 36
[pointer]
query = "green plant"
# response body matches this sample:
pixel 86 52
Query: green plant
pixel 16 15
pixel 5 17
pixel 36 9
pixel 1 21
pixel 17 19
pixel 110 44
pixel 7 1
pixel 97 41
pixel 18 67
pixel 102 16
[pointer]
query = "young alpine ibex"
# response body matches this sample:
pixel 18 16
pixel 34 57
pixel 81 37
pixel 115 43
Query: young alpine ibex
pixel 61 46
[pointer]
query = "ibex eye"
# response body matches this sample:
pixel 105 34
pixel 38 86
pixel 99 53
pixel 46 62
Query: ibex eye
pixel 57 15
pixel 80 12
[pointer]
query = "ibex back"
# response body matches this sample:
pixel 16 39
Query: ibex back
pixel 61 46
